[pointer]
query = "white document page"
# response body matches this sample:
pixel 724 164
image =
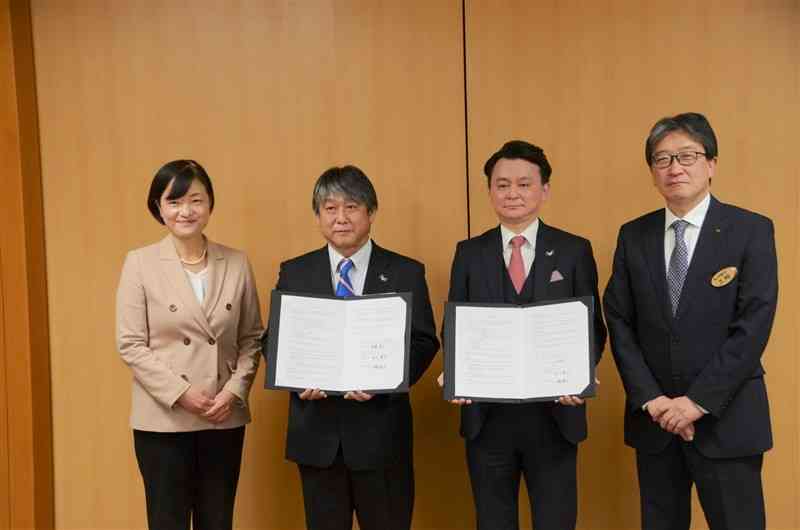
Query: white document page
pixel 310 343
pixel 341 345
pixel 555 357
pixel 487 361
pixel 374 347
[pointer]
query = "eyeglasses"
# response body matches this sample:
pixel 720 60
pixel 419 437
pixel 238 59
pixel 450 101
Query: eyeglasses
pixel 684 158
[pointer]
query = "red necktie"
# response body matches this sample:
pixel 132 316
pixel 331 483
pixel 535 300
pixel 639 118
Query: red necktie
pixel 516 268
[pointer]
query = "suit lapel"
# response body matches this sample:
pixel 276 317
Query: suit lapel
pixel 379 274
pixel 320 279
pixel 217 268
pixel 176 278
pixel 544 261
pixel 493 264
pixel 707 247
pixel 654 254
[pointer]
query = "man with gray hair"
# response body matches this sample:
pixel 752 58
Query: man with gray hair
pixel 689 307
pixel 354 453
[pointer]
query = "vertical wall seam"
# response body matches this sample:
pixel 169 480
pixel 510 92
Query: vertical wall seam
pixel 466 107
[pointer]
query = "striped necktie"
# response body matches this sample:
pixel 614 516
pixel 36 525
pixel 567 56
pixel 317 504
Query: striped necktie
pixel 344 287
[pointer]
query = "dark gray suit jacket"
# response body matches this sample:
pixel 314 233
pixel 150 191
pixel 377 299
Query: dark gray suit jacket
pixel 477 276
pixel 711 350
pixel 378 432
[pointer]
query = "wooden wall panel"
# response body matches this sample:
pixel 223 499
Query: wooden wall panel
pixel 26 494
pixel 586 81
pixel 266 95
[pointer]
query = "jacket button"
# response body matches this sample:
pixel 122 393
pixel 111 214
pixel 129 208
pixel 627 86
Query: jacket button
pixel 228 307
pixel 212 341
pixel 187 341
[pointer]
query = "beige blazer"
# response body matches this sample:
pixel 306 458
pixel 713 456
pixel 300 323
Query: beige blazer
pixel 170 341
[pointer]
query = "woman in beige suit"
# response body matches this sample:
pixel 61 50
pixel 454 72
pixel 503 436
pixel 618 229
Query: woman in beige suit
pixel 188 324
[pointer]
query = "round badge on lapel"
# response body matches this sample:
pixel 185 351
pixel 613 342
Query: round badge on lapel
pixel 724 277
pixel 173 307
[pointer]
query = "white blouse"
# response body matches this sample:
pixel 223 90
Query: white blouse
pixel 199 281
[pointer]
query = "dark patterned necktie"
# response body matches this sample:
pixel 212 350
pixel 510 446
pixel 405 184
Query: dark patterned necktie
pixel 678 264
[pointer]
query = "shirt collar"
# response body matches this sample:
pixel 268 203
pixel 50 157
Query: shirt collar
pixel 695 217
pixel 530 233
pixel 360 259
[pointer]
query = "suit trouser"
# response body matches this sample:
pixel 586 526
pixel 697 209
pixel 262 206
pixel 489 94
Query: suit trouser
pixel 383 499
pixel 522 440
pixel 190 475
pixel 729 489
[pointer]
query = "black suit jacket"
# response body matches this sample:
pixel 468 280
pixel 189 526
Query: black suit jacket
pixel 711 350
pixel 477 276
pixel 378 432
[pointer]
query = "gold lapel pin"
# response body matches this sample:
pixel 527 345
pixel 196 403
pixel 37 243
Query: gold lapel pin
pixel 724 277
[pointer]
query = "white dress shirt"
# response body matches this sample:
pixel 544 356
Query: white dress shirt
pixel 528 250
pixel 695 218
pixel 358 274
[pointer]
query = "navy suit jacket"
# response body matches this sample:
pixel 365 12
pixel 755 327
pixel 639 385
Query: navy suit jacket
pixel 711 350
pixel 375 433
pixel 477 276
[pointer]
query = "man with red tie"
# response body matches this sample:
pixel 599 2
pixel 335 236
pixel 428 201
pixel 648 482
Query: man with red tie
pixel 521 261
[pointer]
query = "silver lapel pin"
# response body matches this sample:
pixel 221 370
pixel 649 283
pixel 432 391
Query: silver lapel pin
pixel 549 253
pixel 383 278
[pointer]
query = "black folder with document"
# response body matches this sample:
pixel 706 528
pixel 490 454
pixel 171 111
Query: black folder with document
pixel 519 353
pixel 339 344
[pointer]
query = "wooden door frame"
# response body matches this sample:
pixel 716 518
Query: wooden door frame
pixel 25 407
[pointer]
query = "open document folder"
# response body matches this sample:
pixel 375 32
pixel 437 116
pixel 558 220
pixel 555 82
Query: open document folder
pixel 511 353
pixel 339 344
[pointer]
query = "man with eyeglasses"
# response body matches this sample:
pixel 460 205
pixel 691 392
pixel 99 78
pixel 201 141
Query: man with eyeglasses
pixel 689 307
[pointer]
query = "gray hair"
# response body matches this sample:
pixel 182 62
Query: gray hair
pixel 694 124
pixel 349 182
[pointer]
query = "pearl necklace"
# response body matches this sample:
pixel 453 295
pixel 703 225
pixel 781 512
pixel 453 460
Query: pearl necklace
pixel 198 260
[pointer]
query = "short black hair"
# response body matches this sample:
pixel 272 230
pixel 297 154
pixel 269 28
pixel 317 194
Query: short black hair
pixel 347 181
pixel 519 149
pixel 183 172
pixel 693 124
